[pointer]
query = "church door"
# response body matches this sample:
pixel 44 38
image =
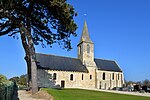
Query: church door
pixel 62 84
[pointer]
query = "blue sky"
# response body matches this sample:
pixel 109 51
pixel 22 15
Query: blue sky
pixel 120 30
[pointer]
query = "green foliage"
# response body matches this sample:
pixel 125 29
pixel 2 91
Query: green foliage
pixel 79 94
pixel 7 88
pixel 21 81
pixel 129 83
pixel 7 91
pixel 14 79
pixel 51 21
pixel 146 82
pixel 37 21
pixel 3 80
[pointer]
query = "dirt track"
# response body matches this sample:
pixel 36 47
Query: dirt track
pixel 23 95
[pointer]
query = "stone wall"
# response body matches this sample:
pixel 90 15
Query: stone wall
pixel 109 82
pixel 45 79
pixel 80 79
pixel 83 53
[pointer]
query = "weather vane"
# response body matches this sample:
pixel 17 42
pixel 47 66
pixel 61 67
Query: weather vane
pixel 85 16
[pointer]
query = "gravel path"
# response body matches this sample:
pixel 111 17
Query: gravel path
pixel 122 92
pixel 23 95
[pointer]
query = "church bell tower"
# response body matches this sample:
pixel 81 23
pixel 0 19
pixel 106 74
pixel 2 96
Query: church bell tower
pixel 86 48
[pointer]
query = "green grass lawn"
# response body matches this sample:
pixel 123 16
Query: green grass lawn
pixel 79 94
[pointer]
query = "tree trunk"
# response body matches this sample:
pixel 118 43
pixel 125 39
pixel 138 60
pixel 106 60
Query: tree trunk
pixel 28 61
pixel 33 62
pixel 27 58
pixel 32 58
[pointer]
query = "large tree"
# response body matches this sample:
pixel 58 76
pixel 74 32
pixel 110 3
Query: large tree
pixel 146 82
pixel 19 80
pixel 37 21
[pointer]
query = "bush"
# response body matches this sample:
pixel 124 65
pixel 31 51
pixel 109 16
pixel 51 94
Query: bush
pixel 7 88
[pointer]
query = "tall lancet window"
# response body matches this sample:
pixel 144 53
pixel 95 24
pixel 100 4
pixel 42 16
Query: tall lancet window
pixel 88 48
pixel 103 76
pixel 54 76
pixel 79 50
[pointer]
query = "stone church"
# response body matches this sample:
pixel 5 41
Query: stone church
pixel 82 72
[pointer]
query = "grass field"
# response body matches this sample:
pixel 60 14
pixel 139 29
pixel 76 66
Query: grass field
pixel 79 94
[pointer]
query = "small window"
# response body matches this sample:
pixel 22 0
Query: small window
pixel 118 76
pixel 71 77
pixel 113 76
pixel 88 48
pixel 103 76
pixel 54 76
pixel 82 76
pixel 90 76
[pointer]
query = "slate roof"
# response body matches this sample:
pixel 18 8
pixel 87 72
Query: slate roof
pixel 60 63
pixel 107 65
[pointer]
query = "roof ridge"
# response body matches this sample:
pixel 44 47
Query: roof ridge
pixel 104 59
pixel 56 55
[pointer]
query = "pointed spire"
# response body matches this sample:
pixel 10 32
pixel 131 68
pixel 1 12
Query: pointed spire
pixel 85 34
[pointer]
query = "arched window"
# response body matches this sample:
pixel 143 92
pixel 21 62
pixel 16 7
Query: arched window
pixel 90 76
pixel 88 48
pixel 103 76
pixel 54 76
pixel 113 76
pixel 71 77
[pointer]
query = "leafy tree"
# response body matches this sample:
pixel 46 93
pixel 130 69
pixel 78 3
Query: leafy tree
pixel 129 82
pixel 37 21
pixel 22 80
pixel 139 83
pixel 14 79
pixel 146 82
pixel 2 78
